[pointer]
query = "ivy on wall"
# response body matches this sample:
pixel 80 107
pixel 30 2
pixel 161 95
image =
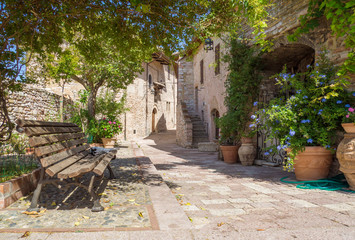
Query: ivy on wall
pixel 341 15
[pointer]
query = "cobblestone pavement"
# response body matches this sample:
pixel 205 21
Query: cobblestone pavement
pixel 195 196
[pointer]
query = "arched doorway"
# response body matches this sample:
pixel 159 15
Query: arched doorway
pixel 215 129
pixel 154 113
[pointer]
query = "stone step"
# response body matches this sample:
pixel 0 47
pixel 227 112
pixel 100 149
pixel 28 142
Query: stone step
pixel 202 135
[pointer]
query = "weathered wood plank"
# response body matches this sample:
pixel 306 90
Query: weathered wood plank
pixel 100 168
pixel 30 123
pixel 37 131
pixel 47 161
pixel 84 165
pixel 56 168
pixel 40 151
pixel 43 140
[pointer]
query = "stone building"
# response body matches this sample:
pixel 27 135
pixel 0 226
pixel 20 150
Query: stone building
pixel 201 80
pixel 150 99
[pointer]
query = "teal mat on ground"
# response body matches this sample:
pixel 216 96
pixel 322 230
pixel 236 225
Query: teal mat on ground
pixel 337 183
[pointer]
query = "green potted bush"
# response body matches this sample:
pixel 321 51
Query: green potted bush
pixel 242 89
pixel 107 130
pixel 306 123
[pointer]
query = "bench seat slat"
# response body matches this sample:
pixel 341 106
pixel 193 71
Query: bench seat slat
pixel 43 140
pixel 84 165
pixel 56 168
pixel 100 168
pixel 30 123
pixel 47 161
pixel 40 151
pixel 37 131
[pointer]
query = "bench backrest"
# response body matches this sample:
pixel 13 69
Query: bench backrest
pixel 53 141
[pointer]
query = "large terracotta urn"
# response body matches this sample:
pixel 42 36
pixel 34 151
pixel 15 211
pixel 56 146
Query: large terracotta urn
pixel 247 152
pixel 348 127
pixel 108 142
pixel 346 157
pixel 313 163
pixel 230 153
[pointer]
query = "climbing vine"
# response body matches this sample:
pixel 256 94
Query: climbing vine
pixel 341 15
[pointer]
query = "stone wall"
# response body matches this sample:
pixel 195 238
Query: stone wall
pixel 185 85
pixel 35 103
pixel 184 126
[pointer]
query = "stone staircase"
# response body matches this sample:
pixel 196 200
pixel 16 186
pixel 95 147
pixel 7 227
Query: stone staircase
pixel 198 131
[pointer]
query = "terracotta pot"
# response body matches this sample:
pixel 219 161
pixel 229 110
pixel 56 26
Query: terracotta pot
pixel 313 163
pixel 349 127
pixel 247 153
pixel 230 153
pixel 346 157
pixel 108 142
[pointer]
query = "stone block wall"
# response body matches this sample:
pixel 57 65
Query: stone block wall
pixel 185 84
pixel 184 126
pixel 35 103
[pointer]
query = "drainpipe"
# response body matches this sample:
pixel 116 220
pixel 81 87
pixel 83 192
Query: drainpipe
pixel 146 99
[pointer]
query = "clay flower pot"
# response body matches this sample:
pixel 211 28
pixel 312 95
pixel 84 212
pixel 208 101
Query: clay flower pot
pixel 348 127
pixel 108 142
pixel 230 153
pixel 313 163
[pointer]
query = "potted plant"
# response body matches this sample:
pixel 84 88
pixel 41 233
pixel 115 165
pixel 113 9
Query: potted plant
pixel 349 119
pixel 229 139
pixel 107 130
pixel 242 86
pixel 306 123
pixel 247 151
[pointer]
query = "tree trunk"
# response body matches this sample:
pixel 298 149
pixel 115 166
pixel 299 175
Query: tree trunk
pixel 61 104
pixel 92 103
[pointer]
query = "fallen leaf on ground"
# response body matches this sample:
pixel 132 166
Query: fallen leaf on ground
pixel 190 219
pixel 220 224
pixel 28 204
pixel 76 223
pixel 188 204
pixel 26 234
pixel 204 209
pixel 43 210
pixel 106 201
pixel 23 198
pixel 102 194
pixel 131 200
pixel 86 217
pixel 136 204
pixel 178 188
pixel 53 204
pixel 30 213
pixel 140 214
pixel 260 229
pixel 107 208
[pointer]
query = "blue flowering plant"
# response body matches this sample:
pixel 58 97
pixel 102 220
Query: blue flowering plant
pixel 309 111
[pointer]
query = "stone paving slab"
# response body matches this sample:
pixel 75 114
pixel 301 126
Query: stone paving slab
pixel 126 200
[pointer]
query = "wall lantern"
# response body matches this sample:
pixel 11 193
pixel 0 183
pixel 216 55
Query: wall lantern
pixel 208 44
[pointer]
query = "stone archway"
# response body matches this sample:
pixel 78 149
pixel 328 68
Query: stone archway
pixel 295 57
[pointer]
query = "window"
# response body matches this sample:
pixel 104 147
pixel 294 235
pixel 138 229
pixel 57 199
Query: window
pixel 150 80
pixel 201 71
pixel 169 72
pixel 217 70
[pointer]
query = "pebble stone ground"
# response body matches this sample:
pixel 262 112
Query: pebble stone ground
pixel 195 196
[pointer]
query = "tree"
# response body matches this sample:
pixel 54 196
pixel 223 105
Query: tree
pixel 135 27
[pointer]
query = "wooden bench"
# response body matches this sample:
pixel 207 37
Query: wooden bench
pixel 64 153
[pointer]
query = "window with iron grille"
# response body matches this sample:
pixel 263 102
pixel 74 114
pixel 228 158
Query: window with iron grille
pixel 217 70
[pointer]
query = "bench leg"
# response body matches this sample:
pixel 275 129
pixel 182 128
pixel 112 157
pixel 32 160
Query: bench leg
pixel 112 175
pixel 37 192
pixel 97 206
